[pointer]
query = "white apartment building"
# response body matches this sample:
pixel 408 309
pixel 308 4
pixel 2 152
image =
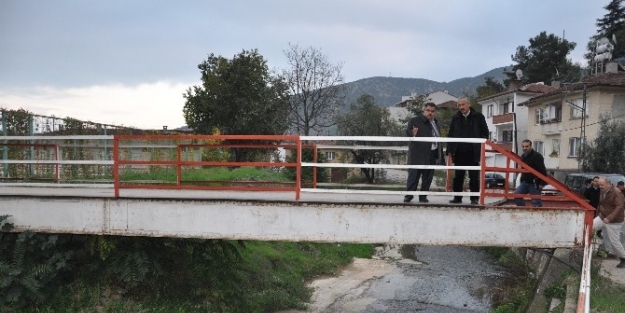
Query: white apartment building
pixel 507 120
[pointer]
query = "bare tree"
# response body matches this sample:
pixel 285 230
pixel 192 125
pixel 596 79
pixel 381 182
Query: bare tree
pixel 316 88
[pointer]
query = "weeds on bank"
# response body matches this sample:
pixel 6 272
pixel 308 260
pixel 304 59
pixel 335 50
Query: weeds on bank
pixel 268 277
pixel 605 295
pixel 517 288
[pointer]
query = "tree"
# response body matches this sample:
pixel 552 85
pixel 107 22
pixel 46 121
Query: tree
pixel 606 153
pixel 614 20
pixel 238 96
pixel 544 60
pixel 366 118
pixel 490 87
pixel 316 89
pixel 611 25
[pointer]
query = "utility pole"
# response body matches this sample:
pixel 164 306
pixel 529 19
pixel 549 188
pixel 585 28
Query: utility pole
pixel 582 135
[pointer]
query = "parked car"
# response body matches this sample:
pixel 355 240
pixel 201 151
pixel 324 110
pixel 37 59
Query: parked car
pixel 549 190
pixel 576 181
pixel 494 180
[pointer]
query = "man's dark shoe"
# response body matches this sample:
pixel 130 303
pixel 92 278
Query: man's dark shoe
pixel 408 198
pixel 424 200
pixel 455 201
pixel 473 201
pixel 622 264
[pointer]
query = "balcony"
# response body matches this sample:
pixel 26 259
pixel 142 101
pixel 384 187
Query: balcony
pixel 503 118
pixel 505 145
pixel 551 128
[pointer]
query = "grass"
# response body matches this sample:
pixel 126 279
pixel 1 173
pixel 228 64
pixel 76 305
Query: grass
pixel 203 174
pixel 517 288
pixel 605 295
pixel 275 278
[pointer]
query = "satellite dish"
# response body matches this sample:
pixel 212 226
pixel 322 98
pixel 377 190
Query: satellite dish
pixel 519 74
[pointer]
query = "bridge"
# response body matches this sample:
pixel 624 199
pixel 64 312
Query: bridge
pixel 84 185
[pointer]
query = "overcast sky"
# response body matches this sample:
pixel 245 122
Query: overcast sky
pixel 128 62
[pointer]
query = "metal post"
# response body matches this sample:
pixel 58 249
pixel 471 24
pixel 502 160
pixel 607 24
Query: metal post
pixel 5 148
pixel 582 135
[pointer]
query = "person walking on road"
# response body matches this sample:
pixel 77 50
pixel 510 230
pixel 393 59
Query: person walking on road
pixel 530 184
pixel 611 216
pixel 423 153
pixel 466 123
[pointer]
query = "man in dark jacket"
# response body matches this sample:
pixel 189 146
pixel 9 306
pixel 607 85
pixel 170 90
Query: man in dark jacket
pixel 530 184
pixel 611 216
pixel 593 192
pixel 467 123
pixel 421 152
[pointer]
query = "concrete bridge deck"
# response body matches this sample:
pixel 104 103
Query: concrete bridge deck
pixel 319 217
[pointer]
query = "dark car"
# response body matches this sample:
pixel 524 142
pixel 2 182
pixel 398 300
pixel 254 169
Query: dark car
pixel 493 180
pixel 577 181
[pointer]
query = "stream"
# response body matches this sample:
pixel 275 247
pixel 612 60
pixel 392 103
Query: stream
pixel 424 279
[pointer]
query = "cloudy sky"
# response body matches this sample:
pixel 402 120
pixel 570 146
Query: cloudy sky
pixel 129 62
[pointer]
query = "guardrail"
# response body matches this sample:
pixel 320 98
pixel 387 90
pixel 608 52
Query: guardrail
pixel 122 152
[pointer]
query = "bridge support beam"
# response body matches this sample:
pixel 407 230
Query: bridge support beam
pixel 298 221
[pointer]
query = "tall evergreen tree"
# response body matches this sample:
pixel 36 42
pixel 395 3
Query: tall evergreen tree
pixel 544 60
pixel 611 26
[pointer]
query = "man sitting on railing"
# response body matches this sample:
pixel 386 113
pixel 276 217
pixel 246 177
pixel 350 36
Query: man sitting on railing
pixel 530 184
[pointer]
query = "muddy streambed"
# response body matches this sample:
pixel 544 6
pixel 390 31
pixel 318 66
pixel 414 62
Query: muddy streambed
pixel 419 279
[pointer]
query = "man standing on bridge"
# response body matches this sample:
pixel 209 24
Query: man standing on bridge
pixel 611 216
pixel 423 153
pixel 467 123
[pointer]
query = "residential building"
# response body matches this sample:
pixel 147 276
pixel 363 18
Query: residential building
pixel 507 121
pixel 556 119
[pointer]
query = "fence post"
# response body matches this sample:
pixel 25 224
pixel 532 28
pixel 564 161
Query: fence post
pixel 298 169
pixel 116 165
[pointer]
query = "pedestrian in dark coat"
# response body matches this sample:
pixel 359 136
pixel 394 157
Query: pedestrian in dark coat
pixel 423 153
pixel 530 183
pixel 467 123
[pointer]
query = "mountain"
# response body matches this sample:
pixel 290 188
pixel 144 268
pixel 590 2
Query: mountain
pixel 388 91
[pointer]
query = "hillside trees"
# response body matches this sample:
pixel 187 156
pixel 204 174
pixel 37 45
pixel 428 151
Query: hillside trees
pixel 237 96
pixel 366 118
pixel 315 87
pixel 544 60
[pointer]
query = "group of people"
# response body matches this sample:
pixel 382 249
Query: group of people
pixel 466 123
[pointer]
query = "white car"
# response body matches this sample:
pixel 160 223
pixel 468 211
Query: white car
pixel 549 191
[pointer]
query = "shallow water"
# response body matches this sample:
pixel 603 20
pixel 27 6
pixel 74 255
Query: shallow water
pixel 444 279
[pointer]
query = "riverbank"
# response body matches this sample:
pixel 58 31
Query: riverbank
pixel 434 279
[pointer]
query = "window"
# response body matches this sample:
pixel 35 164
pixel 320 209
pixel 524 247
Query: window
pixel 576 108
pixel 489 110
pixel 555 147
pixel 574 146
pixel 330 155
pixel 504 108
pixel 539 147
pixel 506 136
pixel 553 112
pixel 538 116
